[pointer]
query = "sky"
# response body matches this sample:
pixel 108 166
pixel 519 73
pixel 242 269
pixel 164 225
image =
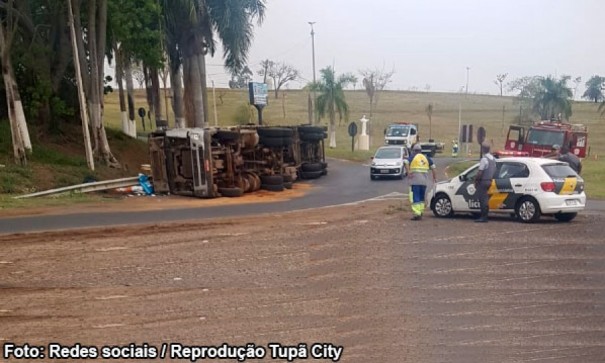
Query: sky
pixel 430 43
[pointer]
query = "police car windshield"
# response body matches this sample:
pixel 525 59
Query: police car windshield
pixel 543 137
pixel 390 153
pixel 559 170
pixel 398 131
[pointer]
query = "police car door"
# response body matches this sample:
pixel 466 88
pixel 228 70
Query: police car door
pixel 508 185
pixel 464 198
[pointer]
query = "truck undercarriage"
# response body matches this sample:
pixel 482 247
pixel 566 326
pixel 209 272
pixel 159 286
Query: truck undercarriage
pixel 213 162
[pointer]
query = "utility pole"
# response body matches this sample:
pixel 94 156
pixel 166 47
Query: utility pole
pixel 467 71
pixel 313 55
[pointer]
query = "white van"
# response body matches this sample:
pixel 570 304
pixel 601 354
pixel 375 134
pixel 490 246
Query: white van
pixel 401 133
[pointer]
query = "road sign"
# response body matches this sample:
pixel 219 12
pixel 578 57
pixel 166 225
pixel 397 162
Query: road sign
pixel 352 129
pixel 480 135
pixel 352 133
pixel 258 93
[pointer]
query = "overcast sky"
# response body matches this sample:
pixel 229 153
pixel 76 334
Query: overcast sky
pixel 433 42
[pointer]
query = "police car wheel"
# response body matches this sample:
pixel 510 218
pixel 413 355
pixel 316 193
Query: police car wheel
pixel 442 206
pixel 528 210
pixel 565 217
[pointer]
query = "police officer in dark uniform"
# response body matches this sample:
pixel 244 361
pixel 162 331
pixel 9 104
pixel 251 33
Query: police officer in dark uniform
pixel 563 154
pixel 483 180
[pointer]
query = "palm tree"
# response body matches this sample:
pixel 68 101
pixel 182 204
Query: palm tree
pixel 553 97
pixel 191 27
pixel 331 98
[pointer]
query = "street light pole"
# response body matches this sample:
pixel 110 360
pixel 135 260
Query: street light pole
pixel 313 55
pixel 467 71
pixel 313 47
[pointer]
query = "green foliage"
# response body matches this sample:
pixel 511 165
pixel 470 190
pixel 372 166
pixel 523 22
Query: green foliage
pixel 5 138
pixel 41 54
pixel 45 155
pixel 552 98
pixel 136 26
pixel 242 114
pixel 331 98
pixel 241 78
pixel 14 179
pixel 594 89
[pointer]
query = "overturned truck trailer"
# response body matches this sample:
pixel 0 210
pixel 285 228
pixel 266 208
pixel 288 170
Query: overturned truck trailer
pixel 212 162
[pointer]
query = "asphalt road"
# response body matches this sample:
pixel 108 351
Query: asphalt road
pixel 346 182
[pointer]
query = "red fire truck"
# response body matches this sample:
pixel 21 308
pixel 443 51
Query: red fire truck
pixel 542 136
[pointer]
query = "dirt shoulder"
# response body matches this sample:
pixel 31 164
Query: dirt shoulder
pixel 361 276
pixel 106 203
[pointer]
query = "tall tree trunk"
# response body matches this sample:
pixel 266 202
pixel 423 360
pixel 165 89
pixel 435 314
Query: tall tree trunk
pixel 202 60
pixel 17 137
pixel 19 132
pixel 102 149
pixel 148 93
pixel 74 31
pixel 177 97
pixel 193 63
pixel 132 125
pixel 310 109
pixel 119 57
pixel 155 94
pixel 332 126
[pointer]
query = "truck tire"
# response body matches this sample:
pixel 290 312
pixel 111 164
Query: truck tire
pixel 226 136
pixel 275 132
pixel 275 141
pixel 257 181
pixel 310 174
pixel 231 192
pixel 288 185
pixel 247 185
pixel 288 178
pixel 312 137
pixel 311 167
pixel 272 179
pixel 272 188
pixel 325 172
pixel 308 129
pixel 324 165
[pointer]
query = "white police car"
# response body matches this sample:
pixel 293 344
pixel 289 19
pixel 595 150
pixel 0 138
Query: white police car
pixel 524 187
pixel 388 162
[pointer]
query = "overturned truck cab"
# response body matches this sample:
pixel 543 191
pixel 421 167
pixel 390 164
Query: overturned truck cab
pixel 212 162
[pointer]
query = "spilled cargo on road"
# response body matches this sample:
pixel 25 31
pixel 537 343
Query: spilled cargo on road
pixel 230 161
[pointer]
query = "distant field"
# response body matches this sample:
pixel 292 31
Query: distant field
pixel 494 113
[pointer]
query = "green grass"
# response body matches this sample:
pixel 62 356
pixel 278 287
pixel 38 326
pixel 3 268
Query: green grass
pixel 494 113
pixel 8 202
pixel 459 167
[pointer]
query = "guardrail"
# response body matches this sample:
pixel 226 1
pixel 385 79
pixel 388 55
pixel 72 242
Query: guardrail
pixel 87 187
